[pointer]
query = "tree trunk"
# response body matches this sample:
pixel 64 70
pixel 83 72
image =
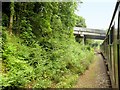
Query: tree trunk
pixel 11 17
pixel 11 24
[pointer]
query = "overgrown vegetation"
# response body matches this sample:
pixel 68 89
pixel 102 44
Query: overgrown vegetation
pixel 40 50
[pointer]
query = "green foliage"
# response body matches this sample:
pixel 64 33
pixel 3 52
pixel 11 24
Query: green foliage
pixel 4 19
pixel 80 21
pixel 96 44
pixel 16 66
pixel 67 81
pixel 68 59
pixel 42 52
pixel 26 32
pixel 12 7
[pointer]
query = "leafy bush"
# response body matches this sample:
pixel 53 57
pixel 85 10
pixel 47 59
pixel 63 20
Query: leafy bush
pixel 60 66
pixel 16 66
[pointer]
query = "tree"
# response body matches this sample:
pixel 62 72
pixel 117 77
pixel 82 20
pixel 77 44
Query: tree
pixel 11 17
pixel 80 21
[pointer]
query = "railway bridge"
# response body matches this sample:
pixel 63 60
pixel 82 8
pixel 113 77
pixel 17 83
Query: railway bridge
pixel 89 33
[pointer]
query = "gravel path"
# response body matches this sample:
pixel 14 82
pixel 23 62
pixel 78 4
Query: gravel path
pixel 95 76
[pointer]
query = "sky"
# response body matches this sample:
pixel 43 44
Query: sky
pixel 97 13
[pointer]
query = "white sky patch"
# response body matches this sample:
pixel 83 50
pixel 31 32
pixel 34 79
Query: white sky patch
pixel 97 13
pixel 99 0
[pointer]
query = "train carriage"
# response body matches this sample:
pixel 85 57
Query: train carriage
pixel 111 47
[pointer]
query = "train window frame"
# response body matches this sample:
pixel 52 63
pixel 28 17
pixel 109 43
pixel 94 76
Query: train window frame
pixel 118 35
pixel 118 46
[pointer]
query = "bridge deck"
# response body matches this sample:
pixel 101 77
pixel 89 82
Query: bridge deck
pixel 90 33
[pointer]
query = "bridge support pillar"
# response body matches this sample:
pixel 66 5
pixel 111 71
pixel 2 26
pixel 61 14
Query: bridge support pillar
pixel 84 40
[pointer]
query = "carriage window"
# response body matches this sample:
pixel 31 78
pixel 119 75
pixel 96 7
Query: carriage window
pixel 108 39
pixel 111 34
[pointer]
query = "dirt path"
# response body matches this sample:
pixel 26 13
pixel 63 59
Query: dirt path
pixel 95 76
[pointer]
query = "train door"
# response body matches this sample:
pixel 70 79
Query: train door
pixel 112 48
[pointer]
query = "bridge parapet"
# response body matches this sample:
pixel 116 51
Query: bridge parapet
pixel 81 29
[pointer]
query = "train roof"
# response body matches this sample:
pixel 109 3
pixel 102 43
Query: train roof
pixel 114 13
